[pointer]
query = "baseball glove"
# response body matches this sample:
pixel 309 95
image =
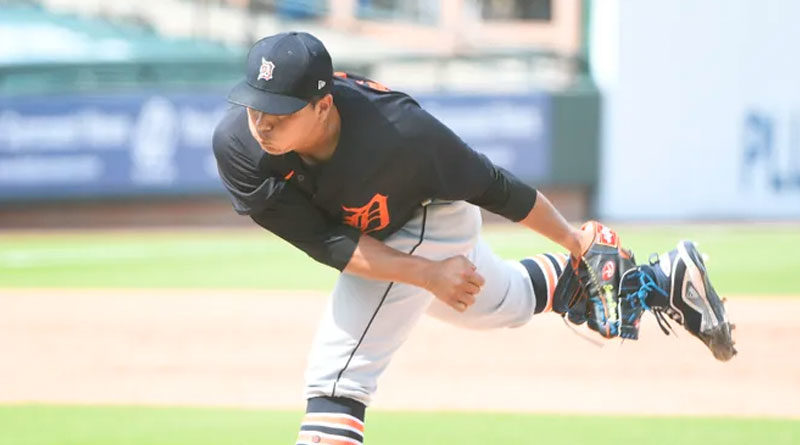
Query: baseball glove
pixel 588 289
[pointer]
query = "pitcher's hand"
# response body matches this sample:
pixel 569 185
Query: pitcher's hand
pixel 455 281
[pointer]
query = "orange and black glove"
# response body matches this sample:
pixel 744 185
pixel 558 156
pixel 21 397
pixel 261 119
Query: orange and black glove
pixel 588 289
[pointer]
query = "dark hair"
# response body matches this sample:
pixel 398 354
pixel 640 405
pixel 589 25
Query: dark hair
pixel 315 99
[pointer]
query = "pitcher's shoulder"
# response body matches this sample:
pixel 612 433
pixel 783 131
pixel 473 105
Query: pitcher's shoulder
pixel 232 126
pixel 371 100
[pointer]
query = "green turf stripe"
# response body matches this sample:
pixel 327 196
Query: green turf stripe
pixel 90 425
pixel 744 260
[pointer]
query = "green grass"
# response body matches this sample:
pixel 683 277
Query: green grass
pixel 78 425
pixel 745 260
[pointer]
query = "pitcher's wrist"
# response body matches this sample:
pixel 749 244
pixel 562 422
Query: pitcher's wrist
pixel 419 272
pixel 574 243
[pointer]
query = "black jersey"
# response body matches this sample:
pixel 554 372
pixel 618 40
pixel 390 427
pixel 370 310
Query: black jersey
pixel 391 157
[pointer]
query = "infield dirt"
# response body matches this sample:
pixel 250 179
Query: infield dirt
pixel 248 349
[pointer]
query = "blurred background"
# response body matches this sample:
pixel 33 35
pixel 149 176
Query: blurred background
pixel 126 278
pixel 618 110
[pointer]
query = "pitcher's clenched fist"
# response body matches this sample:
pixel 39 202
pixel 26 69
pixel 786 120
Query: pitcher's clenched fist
pixel 455 281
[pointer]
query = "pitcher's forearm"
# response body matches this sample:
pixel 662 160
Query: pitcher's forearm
pixel 546 220
pixel 374 259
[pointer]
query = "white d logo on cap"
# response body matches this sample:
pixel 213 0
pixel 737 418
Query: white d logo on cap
pixel 265 72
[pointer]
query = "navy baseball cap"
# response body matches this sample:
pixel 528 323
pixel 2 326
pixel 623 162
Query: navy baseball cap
pixel 284 72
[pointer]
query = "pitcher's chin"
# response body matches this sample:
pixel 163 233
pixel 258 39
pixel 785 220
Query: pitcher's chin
pixel 275 151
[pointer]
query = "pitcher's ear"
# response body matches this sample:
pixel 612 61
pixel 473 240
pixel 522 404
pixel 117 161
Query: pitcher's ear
pixel 322 104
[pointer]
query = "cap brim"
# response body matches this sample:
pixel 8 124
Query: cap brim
pixel 271 103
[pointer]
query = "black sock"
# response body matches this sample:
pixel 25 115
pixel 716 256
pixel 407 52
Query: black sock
pixel 330 419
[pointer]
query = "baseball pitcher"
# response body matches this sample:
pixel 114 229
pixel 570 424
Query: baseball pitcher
pixel 364 180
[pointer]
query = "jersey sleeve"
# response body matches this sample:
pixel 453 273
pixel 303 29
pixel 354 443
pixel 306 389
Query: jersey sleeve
pixel 243 167
pixel 292 217
pixel 457 172
pixel 278 206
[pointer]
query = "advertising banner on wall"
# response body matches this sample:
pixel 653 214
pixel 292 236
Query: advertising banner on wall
pixel 702 109
pixel 515 132
pixel 109 145
pixel 91 146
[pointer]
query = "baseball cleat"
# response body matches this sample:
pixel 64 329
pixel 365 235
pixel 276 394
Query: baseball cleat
pixel 692 300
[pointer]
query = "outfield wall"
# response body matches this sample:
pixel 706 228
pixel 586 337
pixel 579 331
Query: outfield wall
pixel 148 143
pixel 701 108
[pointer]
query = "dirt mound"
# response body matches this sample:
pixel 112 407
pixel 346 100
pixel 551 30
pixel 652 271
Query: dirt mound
pixel 242 348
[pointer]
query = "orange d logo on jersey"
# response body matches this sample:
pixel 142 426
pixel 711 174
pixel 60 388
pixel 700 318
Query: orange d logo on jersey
pixel 369 218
